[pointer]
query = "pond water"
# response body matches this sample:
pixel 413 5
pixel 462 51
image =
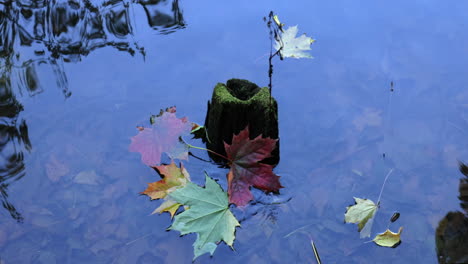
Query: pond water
pixel 77 77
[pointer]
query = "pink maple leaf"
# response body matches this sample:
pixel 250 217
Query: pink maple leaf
pixel 162 136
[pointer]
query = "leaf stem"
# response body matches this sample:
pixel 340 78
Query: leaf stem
pixel 209 150
pixel 383 185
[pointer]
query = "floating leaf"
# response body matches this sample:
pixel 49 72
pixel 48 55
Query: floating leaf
pixel 171 109
pixel 163 137
pixel 294 47
pixel 208 216
pixel 173 178
pixel 388 238
pixel 169 206
pixel 362 213
pixel 246 171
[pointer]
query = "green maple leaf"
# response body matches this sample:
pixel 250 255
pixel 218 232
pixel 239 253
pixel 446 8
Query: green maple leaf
pixel 293 47
pixel 208 216
pixel 362 213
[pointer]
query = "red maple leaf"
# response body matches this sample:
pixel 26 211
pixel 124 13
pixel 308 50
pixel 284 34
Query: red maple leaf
pixel 162 136
pixel 246 171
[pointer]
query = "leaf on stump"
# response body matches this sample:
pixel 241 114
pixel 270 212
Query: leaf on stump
pixel 208 216
pixel 173 178
pixel 293 47
pixel 362 213
pixel 162 137
pixel 388 238
pixel 246 171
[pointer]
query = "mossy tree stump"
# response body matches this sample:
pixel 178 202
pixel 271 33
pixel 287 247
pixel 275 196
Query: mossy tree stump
pixel 236 105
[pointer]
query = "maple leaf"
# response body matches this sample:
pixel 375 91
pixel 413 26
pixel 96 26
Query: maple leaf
pixel 362 213
pixel 246 171
pixel 208 216
pixel 163 136
pixel 173 178
pixel 169 206
pixel 291 46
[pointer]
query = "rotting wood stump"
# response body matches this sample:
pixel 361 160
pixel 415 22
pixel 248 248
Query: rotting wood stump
pixel 235 105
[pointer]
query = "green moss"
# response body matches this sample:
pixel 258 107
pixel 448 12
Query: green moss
pixel 221 93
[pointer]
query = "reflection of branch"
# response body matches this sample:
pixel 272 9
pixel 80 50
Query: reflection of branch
pixel 164 16
pixel 59 31
pixel 13 167
pixel 7 205
pixel 463 187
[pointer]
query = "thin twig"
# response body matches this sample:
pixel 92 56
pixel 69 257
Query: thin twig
pixel 270 65
pixel 209 150
pixel 383 185
pixel 317 257
pixel 135 240
pixel 297 230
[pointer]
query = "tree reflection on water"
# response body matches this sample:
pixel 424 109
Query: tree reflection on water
pixel 38 36
pixel 452 232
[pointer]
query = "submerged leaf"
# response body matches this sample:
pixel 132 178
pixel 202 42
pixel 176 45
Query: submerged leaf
pixel 56 169
pixel 388 238
pixel 162 137
pixel 208 216
pixel 87 177
pixel 246 171
pixel 362 213
pixel 294 47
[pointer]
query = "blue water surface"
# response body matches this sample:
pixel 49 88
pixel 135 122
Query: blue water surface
pixel 78 77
